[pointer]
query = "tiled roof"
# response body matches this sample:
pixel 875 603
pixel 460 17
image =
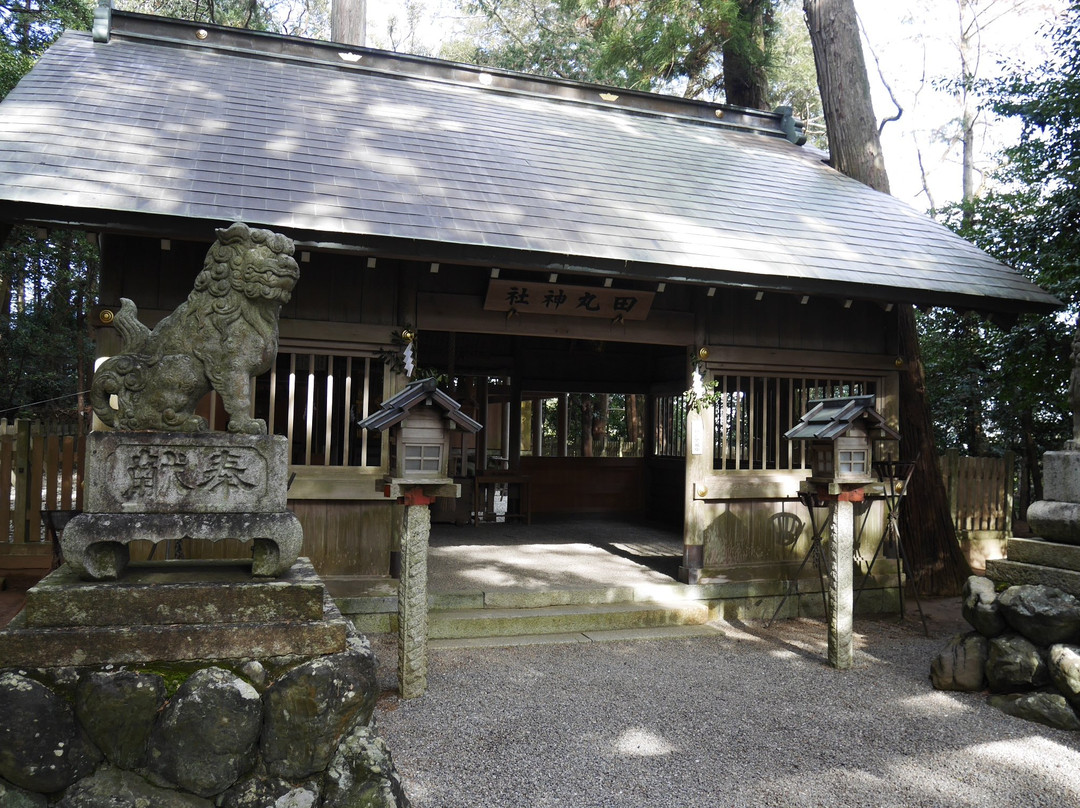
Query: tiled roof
pixel 830 418
pixel 286 134
pixel 396 409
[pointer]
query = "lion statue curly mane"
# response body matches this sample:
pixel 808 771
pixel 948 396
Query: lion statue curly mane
pixel 225 333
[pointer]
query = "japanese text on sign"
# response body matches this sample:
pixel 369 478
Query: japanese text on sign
pixel 577 301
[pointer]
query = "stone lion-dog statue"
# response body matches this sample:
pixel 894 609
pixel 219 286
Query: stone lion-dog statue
pixel 225 333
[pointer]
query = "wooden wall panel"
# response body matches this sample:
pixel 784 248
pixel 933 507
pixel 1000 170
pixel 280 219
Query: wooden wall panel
pixel 594 485
pixel 346 538
pixel 744 533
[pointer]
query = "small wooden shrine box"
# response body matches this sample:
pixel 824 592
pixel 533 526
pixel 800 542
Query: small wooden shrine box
pixel 420 418
pixel 842 433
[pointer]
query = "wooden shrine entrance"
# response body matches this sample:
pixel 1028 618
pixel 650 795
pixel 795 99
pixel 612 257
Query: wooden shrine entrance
pixel 570 425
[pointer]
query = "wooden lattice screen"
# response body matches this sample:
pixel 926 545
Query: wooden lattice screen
pixel 40 470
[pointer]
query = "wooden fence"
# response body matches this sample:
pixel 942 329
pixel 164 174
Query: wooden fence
pixel 40 470
pixel 981 500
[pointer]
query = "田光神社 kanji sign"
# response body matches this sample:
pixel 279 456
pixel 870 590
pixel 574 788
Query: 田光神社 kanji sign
pixel 527 297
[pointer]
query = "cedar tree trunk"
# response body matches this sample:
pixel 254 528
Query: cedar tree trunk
pixel 348 22
pixel 938 567
pixel 745 83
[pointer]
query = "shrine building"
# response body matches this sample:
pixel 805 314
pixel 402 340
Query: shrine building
pixel 568 260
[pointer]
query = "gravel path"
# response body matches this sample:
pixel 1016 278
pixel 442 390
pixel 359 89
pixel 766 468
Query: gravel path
pixel 752 717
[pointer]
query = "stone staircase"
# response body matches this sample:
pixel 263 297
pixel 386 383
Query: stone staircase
pixel 1038 561
pixel 569 615
pixel 513 617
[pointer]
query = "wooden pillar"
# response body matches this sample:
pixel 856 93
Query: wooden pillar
pixel 563 429
pixel 538 426
pixel 483 404
pixel 699 468
pixel 21 474
pixel 513 432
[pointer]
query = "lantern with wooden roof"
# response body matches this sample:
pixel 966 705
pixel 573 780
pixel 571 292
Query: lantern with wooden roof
pixel 420 418
pixel 842 433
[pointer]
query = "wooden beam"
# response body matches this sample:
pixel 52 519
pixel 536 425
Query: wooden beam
pixel 465 313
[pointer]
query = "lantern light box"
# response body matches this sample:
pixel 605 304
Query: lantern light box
pixel 420 418
pixel 842 433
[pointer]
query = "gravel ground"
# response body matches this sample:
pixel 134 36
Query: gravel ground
pixel 751 717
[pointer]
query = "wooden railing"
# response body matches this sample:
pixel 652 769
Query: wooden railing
pixel 40 470
pixel 981 500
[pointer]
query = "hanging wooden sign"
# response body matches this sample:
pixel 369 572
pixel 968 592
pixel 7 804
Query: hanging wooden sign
pixel 527 297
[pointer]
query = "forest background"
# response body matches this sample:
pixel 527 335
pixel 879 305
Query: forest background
pixel 978 132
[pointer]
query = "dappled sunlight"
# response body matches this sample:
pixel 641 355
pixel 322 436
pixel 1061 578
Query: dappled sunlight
pixel 934 704
pixel 535 566
pixel 1003 752
pixel 398 113
pixel 640 742
pixel 665 593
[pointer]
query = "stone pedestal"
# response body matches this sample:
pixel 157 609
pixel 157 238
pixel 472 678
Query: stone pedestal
pixel 1053 558
pixel 189 685
pixel 189 611
pixel 412 601
pixel 159 486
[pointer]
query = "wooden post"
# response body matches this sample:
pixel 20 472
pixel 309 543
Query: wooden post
pixel 22 479
pixel 538 426
pixel 563 428
pixel 699 467
pixel 1010 466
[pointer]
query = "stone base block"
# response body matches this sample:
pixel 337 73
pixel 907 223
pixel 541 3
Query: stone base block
pixel 236 642
pixel 179 592
pixel 223 642
pixel 1044 553
pixel 96 544
pixel 186 472
pixel 1056 521
pixel 1061 476
pixel 1013 573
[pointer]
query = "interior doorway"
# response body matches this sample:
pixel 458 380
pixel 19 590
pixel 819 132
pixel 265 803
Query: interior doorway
pixel 576 428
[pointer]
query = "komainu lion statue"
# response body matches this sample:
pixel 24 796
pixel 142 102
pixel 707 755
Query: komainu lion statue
pixel 225 333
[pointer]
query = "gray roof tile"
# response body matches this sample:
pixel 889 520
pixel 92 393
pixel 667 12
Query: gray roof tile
pixel 136 125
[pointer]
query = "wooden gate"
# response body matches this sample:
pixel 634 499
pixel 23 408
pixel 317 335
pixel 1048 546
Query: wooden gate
pixel 40 472
pixel 981 500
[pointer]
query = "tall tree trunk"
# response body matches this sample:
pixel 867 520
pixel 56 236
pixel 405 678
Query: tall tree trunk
pixel 854 145
pixel 938 567
pixel 348 22
pixel 745 82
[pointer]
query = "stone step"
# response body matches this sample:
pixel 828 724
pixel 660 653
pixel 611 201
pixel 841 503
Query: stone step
pixel 565 638
pixel 505 622
pixel 1044 553
pixel 1014 573
pixel 179 592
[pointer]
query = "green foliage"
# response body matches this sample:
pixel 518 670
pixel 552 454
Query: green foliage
pixel 1011 385
pixel 671 46
pixel 47 285
pixel 28 27
pixel 235 13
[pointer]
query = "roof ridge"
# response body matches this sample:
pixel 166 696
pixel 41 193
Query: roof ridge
pixel 264 44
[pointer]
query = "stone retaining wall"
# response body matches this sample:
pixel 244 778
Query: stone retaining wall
pixel 1025 650
pixel 295 732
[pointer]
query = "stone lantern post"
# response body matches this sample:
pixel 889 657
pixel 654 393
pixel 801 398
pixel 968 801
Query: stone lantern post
pixel 841 433
pixel 420 419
